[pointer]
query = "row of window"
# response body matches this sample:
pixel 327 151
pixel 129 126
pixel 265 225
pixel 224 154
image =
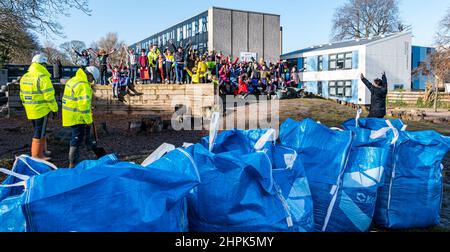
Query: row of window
pixel 340 88
pixel 339 61
pixel 182 32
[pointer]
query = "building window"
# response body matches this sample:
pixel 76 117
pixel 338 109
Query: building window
pixel 348 61
pixel 332 64
pixel 195 28
pixel 348 89
pixel 189 30
pixel 340 61
pixel 205 24
pixel 180 33
pixel 305 64
pixel 340 88
pixel 320 63
pixel 332 88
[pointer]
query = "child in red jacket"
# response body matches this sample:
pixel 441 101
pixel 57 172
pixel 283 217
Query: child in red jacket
pixel 143 67
pixel 115 79
pixel 243 88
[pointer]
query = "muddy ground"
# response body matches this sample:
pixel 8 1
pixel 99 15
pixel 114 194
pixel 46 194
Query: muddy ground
pixel 16 133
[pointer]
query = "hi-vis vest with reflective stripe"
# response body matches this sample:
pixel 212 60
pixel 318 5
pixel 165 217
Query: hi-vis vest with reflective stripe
pixel 77 100
pixel 37 93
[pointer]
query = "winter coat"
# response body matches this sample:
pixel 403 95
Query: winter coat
pixel 378 99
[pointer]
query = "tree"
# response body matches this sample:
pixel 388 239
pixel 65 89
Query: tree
pixel 41 15
pixel 21 20
pixel 366 18
pixel 109 42
pixel 17 44
pixel 54 54
pixel 443 35
pixel 440 62
pixel 68 47
pixel 438 65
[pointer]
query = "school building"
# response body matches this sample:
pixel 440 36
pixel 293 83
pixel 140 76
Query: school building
pixel 333 70
pixel 233 32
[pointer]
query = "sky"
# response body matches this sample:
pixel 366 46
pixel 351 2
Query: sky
pixel 305 22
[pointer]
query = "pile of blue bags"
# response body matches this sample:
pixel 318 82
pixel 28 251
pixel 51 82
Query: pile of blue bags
pixel 344 175
pixel 411 194
pixel 101 196
pixel 313 178
pixel 249 188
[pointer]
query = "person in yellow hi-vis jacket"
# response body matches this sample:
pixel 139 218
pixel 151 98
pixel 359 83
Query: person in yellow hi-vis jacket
pixel 194 75
pixel 77 110
pixel 38 98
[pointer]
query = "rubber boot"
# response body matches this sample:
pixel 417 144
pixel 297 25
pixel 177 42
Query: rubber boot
pixel 35 145
pixel 74 154
pixel 37 149
pixel 47 153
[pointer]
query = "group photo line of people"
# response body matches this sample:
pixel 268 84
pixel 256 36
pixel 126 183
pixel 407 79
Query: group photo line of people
pixel 184 65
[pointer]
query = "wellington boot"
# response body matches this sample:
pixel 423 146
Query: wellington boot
pixel 47 153
pixel 35 148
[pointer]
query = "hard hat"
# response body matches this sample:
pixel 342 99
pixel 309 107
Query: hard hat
pixel 94 71
pixel 40 58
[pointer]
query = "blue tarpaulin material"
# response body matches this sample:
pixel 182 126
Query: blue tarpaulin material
pixel 343 177
pixel 411 194
pixel 111 196
pixel 245 190
pixel 11 197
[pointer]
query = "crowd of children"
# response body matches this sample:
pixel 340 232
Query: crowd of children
pixel 184 65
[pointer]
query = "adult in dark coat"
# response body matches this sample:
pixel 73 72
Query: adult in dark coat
pixel 57 70
pixel 379 92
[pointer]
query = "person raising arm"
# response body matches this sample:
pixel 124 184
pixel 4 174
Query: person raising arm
pixel 378 91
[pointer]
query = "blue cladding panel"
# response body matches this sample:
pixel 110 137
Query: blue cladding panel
pixel 325 62
pixel 300 63
pixel 355 60
pixel 325 89
pixel 311 86
pixel 312 64
pixel 419 54
pixel 415 57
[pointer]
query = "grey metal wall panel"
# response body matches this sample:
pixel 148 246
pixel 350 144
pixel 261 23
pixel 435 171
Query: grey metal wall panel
pixel 240 33
pixel 271 38
pixel 256 43
pixel 222 30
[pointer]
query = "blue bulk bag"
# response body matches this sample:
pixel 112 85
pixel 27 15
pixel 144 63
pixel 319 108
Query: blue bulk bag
pixel 248 189
pixel 323 153
pixel 118 197
pixel 373 123
pixel 11 191
pixel 412 192
pixel 356 197
pixel 110 159
pixel 343 176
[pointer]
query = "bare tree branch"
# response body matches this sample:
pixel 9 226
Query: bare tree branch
pixel 366 18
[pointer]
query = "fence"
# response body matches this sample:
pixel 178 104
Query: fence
pixel 411 98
